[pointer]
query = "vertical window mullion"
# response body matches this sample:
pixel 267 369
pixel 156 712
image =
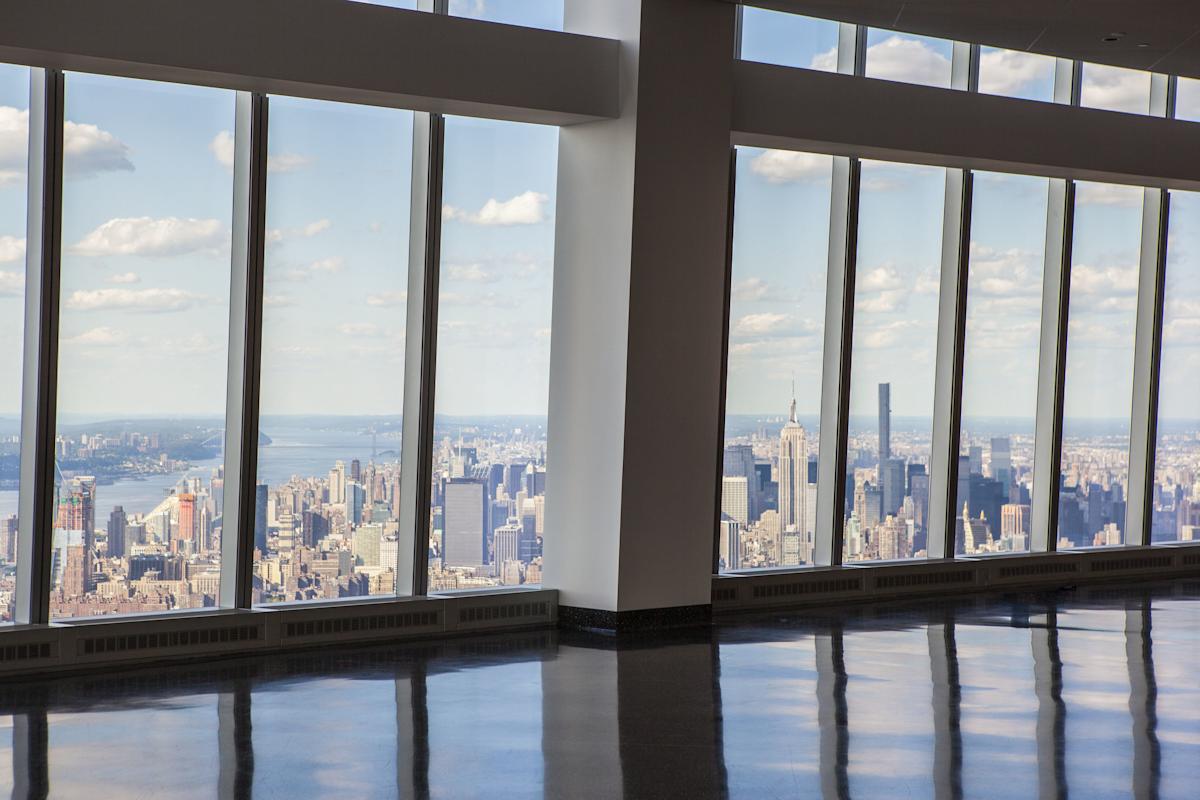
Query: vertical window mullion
pixel 839 327
pixel 1148 329
pixel 245 350
pixel 420 360
pixel 39 400
pixel 952 313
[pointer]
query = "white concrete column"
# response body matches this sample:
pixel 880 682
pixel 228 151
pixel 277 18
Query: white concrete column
pixel 635 370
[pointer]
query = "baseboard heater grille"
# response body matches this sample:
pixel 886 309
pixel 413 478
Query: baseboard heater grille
pixel 361 624
pixel 1125 564
pixel 925 579
pixel 500 611
pixel 1030 570
pixel 171 639
pixel 26 652
pixel 832 586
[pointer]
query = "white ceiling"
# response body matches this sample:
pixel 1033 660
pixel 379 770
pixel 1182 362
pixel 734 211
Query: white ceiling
pixel 1159 35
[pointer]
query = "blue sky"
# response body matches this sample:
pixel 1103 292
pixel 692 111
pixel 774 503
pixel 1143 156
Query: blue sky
pixel 780 250
pixel 147 211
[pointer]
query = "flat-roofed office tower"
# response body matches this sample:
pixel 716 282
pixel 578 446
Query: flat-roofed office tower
pixel 793 473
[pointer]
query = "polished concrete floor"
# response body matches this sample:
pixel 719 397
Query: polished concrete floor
pixel 1090 694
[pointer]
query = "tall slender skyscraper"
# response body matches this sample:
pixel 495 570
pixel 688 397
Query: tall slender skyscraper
pixel 793 473
pixel 885 422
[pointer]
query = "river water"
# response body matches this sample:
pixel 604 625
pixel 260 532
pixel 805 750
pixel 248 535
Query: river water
pixel 293 451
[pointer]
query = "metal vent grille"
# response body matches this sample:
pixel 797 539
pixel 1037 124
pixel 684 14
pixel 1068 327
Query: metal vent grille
pixel 1191 560
pixel 1057 568
pixel 373 622
pixel 30 651
pixel 503 611
pixel 724 595
pixel 925 579
pixel 831 586
pixel 1123 564
pixel 156 641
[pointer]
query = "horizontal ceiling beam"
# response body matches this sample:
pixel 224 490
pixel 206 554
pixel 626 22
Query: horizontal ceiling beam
pixel 328 50
pixel 800 109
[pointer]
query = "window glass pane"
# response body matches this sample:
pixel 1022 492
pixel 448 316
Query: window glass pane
pixel 14 150
pixel 339 181
pixel 142 350
pixel 1187 99
pixel 891 387
pixel 1000 362
pixel 1176 501
pixel 789 40
pixel 1115 89
pixel 773 390
pixel 1099 370
pixel 493 363
pixel 1012 73
pixel 530 13
pixel 908 58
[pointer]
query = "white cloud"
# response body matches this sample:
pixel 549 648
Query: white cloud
pixel 150 300
pixel 826 62
pixel 1107 194
pixel 1116 89
pixel 98 337
pixel 222 148
pixel 788 166
pixel 358 329
pixel 387 299
pixel 12 284
pixel 468 8
pixel 882 303
pixel 897 58
pixel 146 236
pixel 478 300
pixel 125 277
pixel 527 208
pixel 330 265
pixel 758 324
pixel 1007 72
pixel 751 290
pixel 471 273
pixel 279 235
pixel 87 150
pixel 11 249
pixel 192 344
pixel 886 335
pixel 880 279
pixel 277 300
pixel 287 162
pixel 1104 281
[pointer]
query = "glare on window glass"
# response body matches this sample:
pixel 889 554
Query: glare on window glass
pixel 773 389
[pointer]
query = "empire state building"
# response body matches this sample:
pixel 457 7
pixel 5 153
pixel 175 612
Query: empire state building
pixel 793 475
